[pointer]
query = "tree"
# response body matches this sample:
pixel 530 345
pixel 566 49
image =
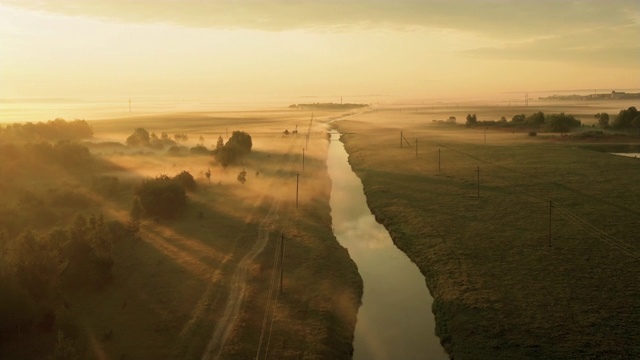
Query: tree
pixel 226 155
pixel 136 213
pixel 636 122
pixel 239 144
pixel 140 137
pixel 185 179
pixel 561 123
pixel 603 119
pixel 518 119
pixel 242 140
pixel 536 119
pixel 242 176
pixel 625 118
pixel 161 196
pixel 39 266
pixel 208 174
pixel 472 120
pixel 220 143
pixel 199 150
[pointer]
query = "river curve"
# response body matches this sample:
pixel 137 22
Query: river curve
pixel 395 320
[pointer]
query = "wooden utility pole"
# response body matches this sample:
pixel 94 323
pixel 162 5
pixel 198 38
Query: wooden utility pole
pixel 281 260
pixel 401 138
pixel 302 160
pixel 550 214
pixel 478 181
pixel 297 182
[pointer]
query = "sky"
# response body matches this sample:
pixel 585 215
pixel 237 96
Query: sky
pixel 202 49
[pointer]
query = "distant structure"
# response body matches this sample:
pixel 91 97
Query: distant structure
pixel 595 96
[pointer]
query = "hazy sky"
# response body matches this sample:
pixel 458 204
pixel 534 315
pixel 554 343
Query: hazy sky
pixel 239 48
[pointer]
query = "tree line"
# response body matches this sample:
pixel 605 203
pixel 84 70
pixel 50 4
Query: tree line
pixel 628 119
pixel 51 130
pixel 36 270
pixel 550 123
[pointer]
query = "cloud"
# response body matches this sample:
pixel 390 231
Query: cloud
pixel 495 18
pixel 588 31
pixel 597 46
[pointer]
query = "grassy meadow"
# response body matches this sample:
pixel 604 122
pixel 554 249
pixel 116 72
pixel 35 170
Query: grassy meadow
pixel 171 283
pixel 500 292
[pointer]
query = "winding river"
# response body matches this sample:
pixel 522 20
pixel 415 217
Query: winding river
pixel 395 320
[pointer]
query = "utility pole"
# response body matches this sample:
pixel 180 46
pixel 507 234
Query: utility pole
pixel 478 181
pixel 550 214
pixel 302 160
pixel 297 182
pixel 281 260
pixel 400 138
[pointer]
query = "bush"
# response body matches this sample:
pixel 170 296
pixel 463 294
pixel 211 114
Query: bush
pixel 161 197
pixel 533 133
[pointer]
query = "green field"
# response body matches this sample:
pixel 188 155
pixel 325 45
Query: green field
pixel 500 291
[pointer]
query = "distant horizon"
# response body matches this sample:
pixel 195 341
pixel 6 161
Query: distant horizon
pixel 242 49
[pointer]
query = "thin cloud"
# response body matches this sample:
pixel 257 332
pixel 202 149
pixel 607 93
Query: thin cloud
pixel 597 46
pixel 495 18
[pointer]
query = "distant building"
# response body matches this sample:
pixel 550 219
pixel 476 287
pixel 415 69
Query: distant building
pixel 617 94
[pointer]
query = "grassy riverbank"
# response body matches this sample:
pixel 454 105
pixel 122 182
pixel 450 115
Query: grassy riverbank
pixel 500 291
pixel 171 284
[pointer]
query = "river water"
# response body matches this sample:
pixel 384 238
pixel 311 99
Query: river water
pixel 395 320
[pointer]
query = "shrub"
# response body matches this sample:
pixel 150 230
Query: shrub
pixel 161 196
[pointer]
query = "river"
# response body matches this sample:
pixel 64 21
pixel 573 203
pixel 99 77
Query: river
pixel 395 320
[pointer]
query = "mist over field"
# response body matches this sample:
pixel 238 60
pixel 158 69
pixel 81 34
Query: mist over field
pixel 319 179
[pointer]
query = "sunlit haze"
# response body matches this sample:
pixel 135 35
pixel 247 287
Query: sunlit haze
pixel 366 50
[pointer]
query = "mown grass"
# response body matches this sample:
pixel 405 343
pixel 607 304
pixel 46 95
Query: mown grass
pixel 499 291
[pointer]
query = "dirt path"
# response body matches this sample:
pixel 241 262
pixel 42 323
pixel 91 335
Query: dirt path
pixel 237 292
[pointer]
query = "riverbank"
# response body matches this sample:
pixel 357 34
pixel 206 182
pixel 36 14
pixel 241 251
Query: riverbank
pixel 500 292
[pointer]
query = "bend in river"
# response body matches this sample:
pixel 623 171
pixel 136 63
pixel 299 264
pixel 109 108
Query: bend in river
pixel 395 320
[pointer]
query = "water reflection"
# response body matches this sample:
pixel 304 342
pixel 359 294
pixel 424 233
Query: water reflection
pixel 633 155
pixel 395 320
